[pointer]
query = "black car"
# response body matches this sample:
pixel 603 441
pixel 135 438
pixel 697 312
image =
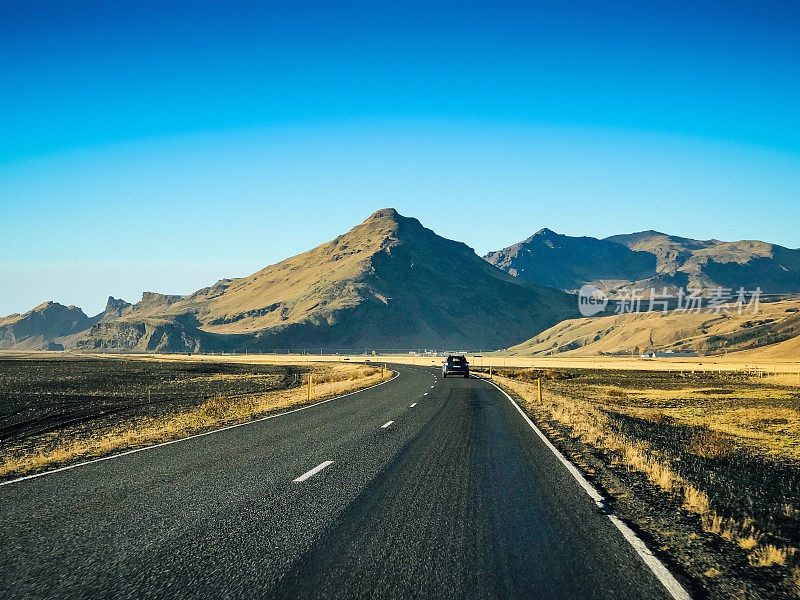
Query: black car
pixel 455 365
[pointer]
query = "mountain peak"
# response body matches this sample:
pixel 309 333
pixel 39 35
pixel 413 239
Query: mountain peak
pixel 386 223
pixel 45 305
pixel 38 328
pixel 544 235
pixel 384 214
pixel 115 307
pixel 114 302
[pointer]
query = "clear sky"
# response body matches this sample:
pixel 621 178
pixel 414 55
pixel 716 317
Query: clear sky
pixel 162 146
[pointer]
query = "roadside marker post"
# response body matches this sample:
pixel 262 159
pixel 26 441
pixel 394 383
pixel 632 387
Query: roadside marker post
pixel 490 371
pixel 310 384
pixel 539 384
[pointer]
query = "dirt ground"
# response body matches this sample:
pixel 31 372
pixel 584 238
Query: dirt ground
pixel 56 410
pixel 43 396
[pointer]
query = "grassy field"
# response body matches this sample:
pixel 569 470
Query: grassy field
pixel 706 464
pixel 57 410
pixel 764 362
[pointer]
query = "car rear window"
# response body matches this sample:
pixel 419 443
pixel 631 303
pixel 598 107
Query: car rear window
pixel 456 359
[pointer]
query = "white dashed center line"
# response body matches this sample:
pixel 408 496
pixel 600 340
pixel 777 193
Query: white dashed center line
pixel 313 471
pixel 386 425
pixel 425 394
pixel 413 405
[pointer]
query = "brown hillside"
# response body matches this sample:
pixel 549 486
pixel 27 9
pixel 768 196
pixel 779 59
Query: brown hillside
pixel 389 283
pixel 775 328
pixel 41 327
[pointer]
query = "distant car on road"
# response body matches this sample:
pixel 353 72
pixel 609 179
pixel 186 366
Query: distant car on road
pixel 455 365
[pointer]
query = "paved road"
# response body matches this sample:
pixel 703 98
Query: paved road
pixel 455 498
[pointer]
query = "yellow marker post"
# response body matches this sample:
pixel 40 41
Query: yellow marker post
pixel 310 379
pixel 490 371
pixel 539 381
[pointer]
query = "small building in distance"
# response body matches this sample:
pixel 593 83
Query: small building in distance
pixel 667 354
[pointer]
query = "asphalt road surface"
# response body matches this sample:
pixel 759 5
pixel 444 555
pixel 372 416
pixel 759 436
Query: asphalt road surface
pixel 421 487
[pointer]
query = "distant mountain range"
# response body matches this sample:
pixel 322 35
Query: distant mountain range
pixel 650 259
pixel 387 283
pixel 390 283
pixel 44 327
pixel 654 260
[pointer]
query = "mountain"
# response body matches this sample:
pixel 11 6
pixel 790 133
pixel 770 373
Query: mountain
pixel 115 308
pixel 713 263
pixel 774 330
pixel 650 259
pixel 43 327
pixel 387 283
pixel 565 262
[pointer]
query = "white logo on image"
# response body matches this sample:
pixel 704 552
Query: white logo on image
pixel 591 300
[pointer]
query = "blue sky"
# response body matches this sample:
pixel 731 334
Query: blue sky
pixel 162 146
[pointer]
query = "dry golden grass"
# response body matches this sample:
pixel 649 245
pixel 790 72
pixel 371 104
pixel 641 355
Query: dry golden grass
pixel 794 579
pixel 340 373
pixel 785 379
pixel 216 412
pixel 721 417
pixel 735 362
pixel 657 416
pixel 722 392
pixel 718 525
pixel 790 511
pixel 748 542
pixel 769 555
pixel 742 534
pixel 662 476
pixel 695 500
pixel 709 443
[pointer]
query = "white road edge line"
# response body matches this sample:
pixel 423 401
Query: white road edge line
pixel 191 437
pixel 313 471
pixel 387 425
pixel 412 405
pixel 661 572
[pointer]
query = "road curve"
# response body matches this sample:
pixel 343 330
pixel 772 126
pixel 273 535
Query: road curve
pixel 418 488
